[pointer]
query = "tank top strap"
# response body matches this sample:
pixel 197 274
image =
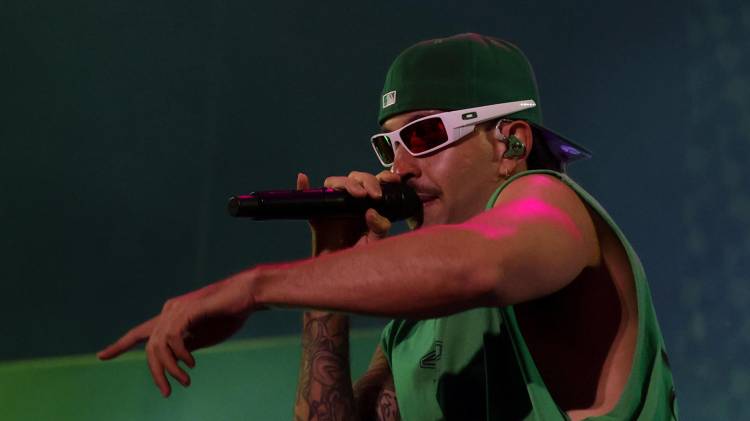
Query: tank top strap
pixel 544 405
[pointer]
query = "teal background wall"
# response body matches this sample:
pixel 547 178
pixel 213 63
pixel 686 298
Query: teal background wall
pixel 125 126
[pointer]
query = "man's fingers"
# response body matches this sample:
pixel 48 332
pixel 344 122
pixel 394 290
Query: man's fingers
pixel 303 182
pixel 377 224
pixel 181 352
pixel 336 183
pixel 134 336
pixel 157 372
pixel 168 361
pixel 387 176
pixel 369 182
pixel 361 184
pixel 355 187
pixel 113 350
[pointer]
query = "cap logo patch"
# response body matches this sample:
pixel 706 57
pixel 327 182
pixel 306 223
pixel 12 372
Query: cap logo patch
pixel 469 116
pixel 389 99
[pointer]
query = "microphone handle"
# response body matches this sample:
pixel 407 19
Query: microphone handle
pixel 398 202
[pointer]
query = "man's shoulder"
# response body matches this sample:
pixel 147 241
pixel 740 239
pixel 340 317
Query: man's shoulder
pixel 548 197
pixel 544 187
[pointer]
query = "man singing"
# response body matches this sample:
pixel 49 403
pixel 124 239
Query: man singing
pixel 516 296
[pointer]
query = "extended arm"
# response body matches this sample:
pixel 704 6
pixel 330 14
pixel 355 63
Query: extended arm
pixel 536 239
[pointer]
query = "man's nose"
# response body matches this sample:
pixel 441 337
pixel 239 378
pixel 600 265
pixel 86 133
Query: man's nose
pixel 405 165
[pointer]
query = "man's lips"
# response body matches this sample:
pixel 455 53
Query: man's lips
pixel 426 198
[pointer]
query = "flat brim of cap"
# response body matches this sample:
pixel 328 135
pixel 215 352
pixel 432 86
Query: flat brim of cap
pixel 565 150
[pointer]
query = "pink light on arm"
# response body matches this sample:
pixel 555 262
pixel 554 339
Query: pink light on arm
pixel 506 219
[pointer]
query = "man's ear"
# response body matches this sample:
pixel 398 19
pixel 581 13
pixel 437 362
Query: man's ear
pixel 515 140
pixel 517 136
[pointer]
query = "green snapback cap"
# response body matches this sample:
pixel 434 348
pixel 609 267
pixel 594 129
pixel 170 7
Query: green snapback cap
pixel 465 71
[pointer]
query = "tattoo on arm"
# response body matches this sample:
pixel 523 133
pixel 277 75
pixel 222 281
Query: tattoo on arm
pixel 325 389
pixel 387 407
pixel 374 392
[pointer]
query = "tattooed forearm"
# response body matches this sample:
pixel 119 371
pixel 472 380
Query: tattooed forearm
pixel 324 391
pixel 387 407
pixel 374 392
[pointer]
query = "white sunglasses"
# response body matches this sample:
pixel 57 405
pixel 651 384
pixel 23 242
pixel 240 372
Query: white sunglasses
pixel 431 133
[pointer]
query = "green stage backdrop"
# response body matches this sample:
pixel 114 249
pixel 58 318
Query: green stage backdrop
pixel 243 380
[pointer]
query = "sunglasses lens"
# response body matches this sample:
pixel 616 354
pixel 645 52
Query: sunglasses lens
pixel 424 135
pixel 383 148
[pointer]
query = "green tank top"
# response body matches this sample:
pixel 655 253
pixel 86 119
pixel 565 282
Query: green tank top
pixel 475 365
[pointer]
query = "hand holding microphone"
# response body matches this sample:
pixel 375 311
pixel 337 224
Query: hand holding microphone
pixel 348 196
pixel 348 211
pixel 330 234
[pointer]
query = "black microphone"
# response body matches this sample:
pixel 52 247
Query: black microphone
pixel 399 201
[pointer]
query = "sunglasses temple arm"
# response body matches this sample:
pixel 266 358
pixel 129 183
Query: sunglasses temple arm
pixel 464 130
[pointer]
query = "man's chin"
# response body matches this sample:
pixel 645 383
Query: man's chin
pixel 424 220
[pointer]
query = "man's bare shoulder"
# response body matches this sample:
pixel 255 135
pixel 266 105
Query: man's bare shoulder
pixel 539 186
pixel 543 193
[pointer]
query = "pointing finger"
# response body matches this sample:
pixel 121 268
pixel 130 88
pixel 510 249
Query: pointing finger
pixel 133 337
